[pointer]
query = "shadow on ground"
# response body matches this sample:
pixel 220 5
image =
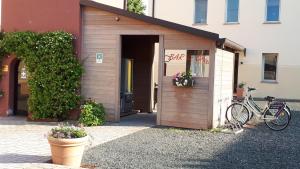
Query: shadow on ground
pixel 259 147
pixel 22 158
pixel 161 147
pixel 135 120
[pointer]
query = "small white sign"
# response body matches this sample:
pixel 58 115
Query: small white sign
pixel 23 73
pixel 99 57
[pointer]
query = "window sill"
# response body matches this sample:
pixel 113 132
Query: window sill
pixel 272 22
pixel 199 24
pixel 269 81
pixel 231 23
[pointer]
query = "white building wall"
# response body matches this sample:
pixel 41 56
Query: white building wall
pixel 114 3
pixel 255 35
pixel 223 82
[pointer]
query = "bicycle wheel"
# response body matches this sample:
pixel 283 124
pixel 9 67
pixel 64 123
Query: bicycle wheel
pixel 279 123
pixel 237 112
pixel 289 111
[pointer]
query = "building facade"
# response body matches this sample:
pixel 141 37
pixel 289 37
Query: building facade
pixel 117 50
pixel 267 28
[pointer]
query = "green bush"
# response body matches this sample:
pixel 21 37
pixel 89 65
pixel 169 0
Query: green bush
pixel 92 114
pixel 54 71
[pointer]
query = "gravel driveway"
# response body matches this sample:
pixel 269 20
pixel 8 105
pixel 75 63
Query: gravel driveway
pixel 165 148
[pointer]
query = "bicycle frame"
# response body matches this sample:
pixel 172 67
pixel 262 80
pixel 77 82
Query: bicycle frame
pixel 254 108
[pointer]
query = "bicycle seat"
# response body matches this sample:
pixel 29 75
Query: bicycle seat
pixel 251 89
pixel 269 98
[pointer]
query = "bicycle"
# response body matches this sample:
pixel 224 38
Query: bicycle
pixel 276 114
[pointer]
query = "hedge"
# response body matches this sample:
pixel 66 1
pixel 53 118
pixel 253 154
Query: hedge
pixel 54 71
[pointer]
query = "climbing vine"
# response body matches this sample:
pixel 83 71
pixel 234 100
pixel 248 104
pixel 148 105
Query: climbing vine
pixel 2 54
pixel 54 72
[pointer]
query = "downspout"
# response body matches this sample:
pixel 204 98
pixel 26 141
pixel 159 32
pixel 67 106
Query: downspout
pixel 153 8
pixel 125 4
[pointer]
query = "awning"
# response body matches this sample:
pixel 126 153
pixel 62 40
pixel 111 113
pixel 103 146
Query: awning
pixel 225 43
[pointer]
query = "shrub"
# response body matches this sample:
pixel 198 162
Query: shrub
pixel 67 132
pixel 92 113
pixel 53 71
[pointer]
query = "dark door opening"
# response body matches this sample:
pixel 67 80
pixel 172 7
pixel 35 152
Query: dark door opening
pixel 21 90
pixel 139 74
pixel 236 71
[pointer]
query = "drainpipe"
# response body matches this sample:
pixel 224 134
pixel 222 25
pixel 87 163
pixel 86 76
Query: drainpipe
pixel 153 8
pixel 125 4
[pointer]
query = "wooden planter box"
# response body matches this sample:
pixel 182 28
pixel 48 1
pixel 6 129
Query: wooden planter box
pixel 190 83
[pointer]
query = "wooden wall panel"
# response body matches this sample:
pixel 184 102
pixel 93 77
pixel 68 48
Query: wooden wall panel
pixel 101 33
pixel 223 85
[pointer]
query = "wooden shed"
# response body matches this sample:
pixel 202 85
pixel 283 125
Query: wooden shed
pixel 120 51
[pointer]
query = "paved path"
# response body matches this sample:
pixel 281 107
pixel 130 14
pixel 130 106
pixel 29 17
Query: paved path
pixel 22 142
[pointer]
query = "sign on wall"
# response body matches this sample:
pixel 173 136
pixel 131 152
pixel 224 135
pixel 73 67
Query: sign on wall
pixel 99 57
pixel 23 73
pixel 5 68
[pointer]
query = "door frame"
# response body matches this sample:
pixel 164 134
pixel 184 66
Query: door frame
pixel 118 75
pixel 236 71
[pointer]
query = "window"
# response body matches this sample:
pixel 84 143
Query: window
pixel 270 66
pixel 200 11
pixel 194 61
pixel 232 12
pixel 273 10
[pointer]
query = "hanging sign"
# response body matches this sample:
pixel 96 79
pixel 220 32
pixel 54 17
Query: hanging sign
pixel 99 57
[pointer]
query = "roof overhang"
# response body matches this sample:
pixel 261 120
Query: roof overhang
pixel 233 46
pixel 151 20
pixel 222 43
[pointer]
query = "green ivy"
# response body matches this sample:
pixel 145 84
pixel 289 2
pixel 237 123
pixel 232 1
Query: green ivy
pixel 54 72
pixel 2 54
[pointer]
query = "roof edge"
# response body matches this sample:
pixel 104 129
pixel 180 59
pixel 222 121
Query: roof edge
pixel 148 19
pixel 231 44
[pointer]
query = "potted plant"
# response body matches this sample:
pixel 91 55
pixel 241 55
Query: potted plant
pixel 240 89
pixel 1 93
pixel 67 145
pixel 183 79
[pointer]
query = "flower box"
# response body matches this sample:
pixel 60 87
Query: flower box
pixel 183 80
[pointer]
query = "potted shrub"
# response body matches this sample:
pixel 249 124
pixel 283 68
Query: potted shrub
pixel 183 79
pixel 67 145
pixel 240 89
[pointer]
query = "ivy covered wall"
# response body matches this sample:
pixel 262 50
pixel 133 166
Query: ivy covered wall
pixel 54 71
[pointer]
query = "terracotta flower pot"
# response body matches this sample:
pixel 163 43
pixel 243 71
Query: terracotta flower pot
pixel 239 92
pixel 67 151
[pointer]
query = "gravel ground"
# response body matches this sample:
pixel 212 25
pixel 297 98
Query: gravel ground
pixel 165 148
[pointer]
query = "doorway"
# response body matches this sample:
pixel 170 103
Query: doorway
pixel 139 75
pixel 20 89
pixel 236 71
